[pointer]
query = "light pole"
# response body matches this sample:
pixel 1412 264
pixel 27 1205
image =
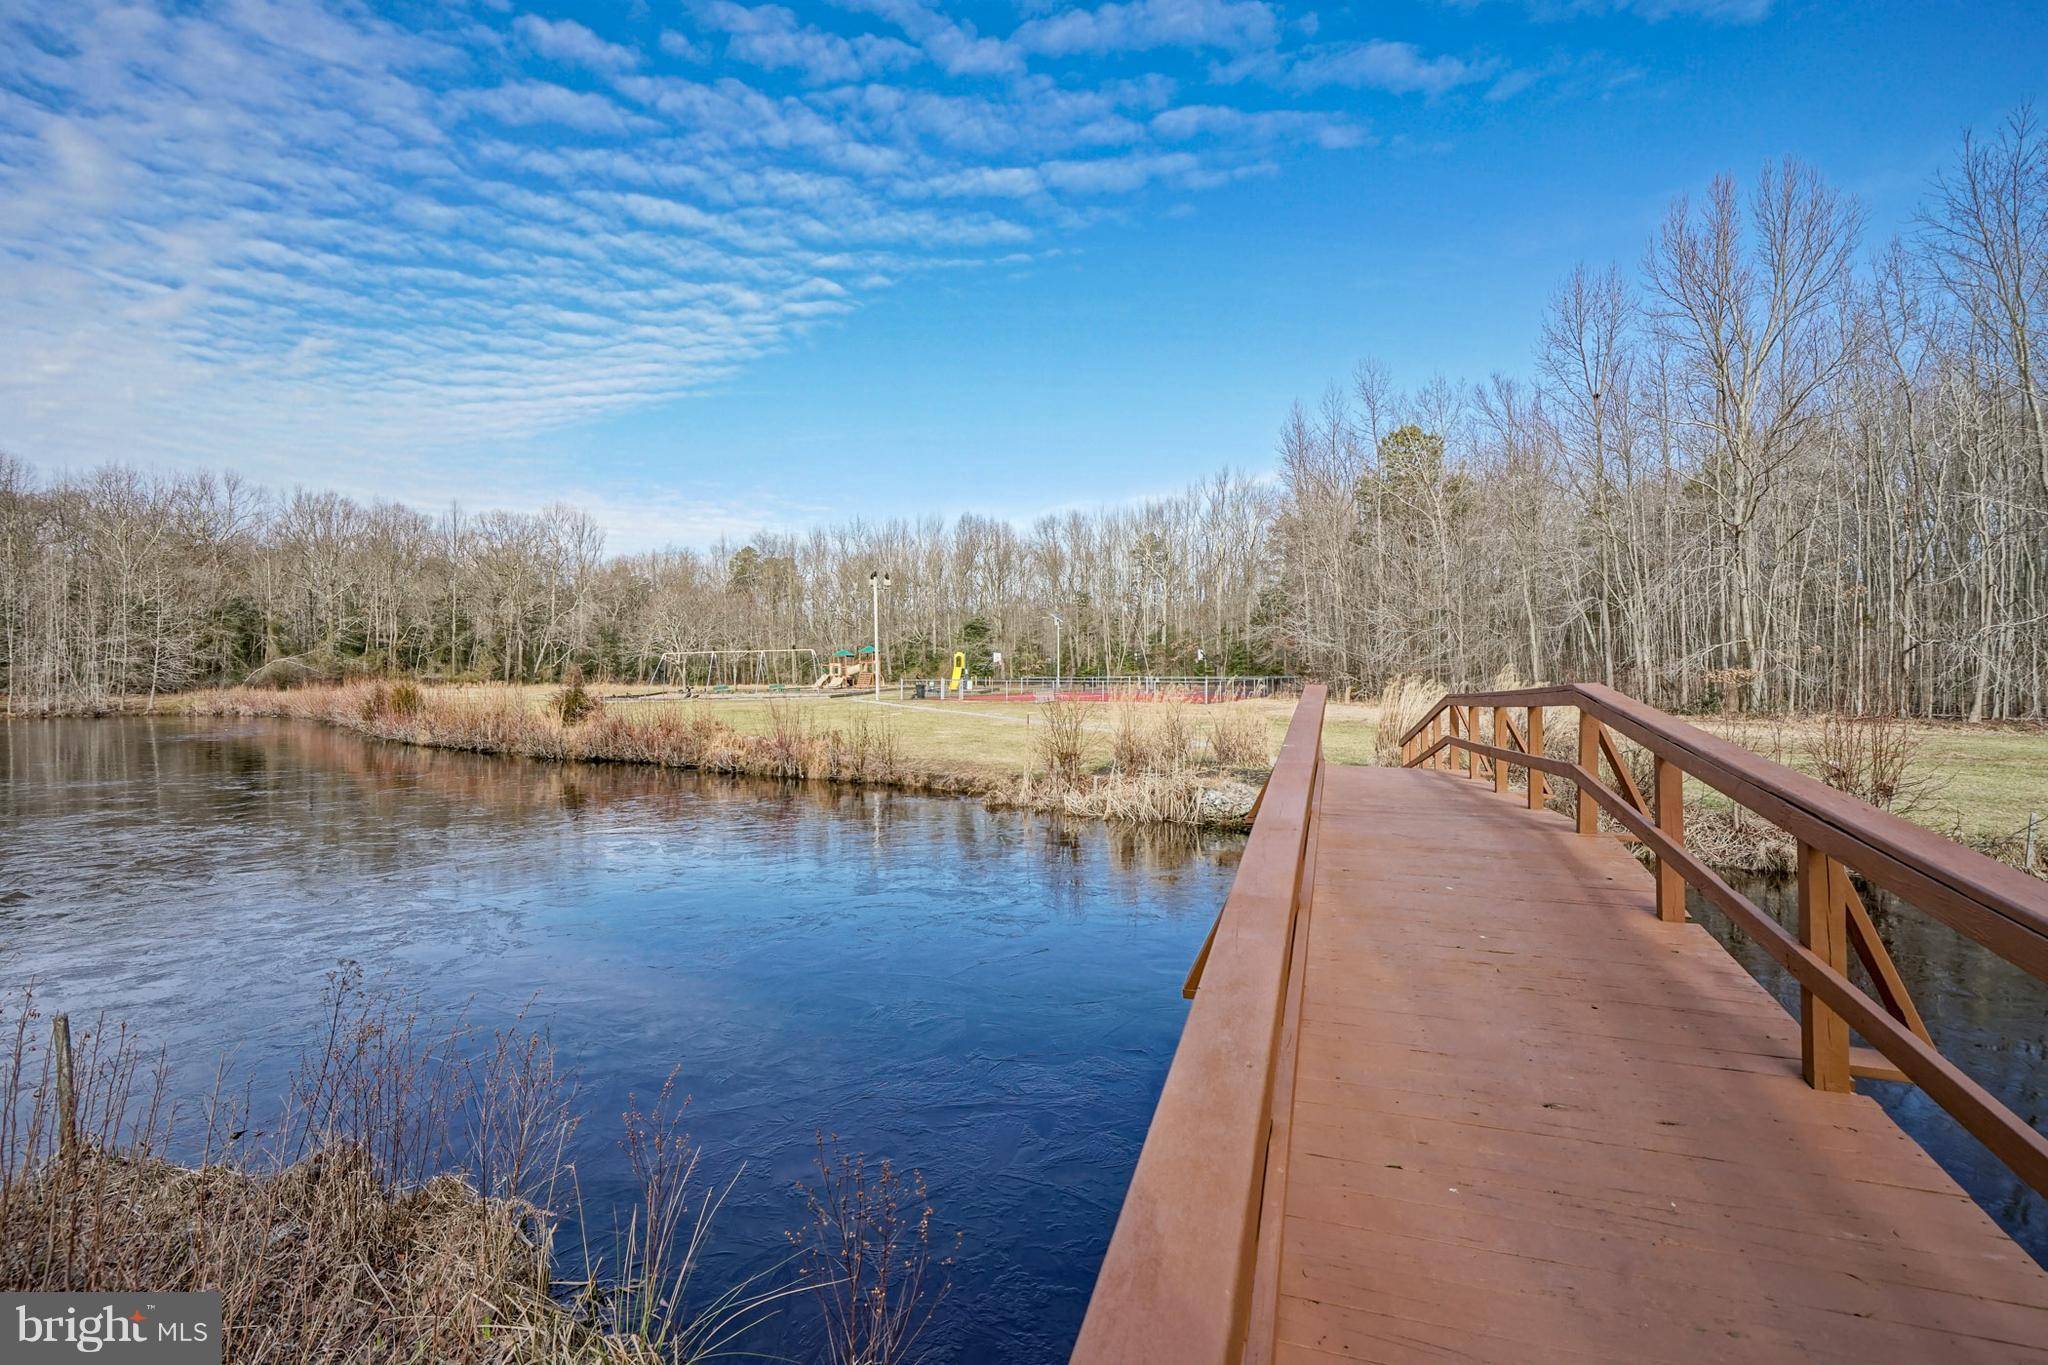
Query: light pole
pixel 876 582
pixel 1055 656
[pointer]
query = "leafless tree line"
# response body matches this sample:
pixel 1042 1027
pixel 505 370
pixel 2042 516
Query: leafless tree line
pixel 118 584
pixel 1765 467
pixel 1760 470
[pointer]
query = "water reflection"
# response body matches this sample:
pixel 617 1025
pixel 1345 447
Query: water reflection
pixel 1987 1016
pixel 991 996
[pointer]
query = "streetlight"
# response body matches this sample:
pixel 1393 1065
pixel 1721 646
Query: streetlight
pixel 1055 656
pixel 876 582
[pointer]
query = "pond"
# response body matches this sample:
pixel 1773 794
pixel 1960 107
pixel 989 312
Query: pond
pixel 989 997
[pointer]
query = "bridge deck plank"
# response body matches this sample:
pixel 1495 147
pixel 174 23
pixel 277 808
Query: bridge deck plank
pixel 1530 1121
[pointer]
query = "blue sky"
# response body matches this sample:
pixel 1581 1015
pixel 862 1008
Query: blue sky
pixel 704 266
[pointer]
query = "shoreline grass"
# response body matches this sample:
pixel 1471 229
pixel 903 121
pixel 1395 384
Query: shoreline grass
pixel 1976 783
pixel 1200 769
pixel 402 1198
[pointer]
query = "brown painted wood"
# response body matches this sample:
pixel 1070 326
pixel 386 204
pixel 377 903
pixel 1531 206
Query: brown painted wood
pixel 1823 929
pixel 1175 1283
pixel 1589 761
pixel 1624 778
pixel 1999 906
pixel 1540 1127
pixel 1538 785
pixel 1503 728
pixel 1261 1327
pixel 1507 1113
pixel 2011 1138
pixel 1877 960
pixel 1669 780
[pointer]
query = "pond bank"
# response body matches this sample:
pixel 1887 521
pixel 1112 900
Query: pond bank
pixel 1168 771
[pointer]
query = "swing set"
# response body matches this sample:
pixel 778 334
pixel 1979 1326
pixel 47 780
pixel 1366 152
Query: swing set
pixel 726 670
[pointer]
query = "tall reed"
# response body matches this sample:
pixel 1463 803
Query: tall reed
pixel 400 1202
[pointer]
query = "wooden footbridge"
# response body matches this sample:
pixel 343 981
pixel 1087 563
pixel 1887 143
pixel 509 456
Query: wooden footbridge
pixel 1460 1081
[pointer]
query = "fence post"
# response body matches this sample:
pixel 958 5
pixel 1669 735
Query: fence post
pixel 1670 796
pixel 1823 928
pixel 67 1088
pixel 1500 731
pixel 1472 714
pixel 1589 759
pixel 1538 789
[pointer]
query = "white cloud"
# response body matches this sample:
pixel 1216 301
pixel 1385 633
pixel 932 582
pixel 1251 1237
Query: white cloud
pixel 679 46
pixel 1140 25
pixel 297 239
pixel 770 36
pixel 1714 11
pixel 572 44
pixel 525 103
pixel 1395 67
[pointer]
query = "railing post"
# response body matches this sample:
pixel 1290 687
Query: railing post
pixel 1823 928
pixel 1472 714
pixel 1538 789
pixel 1500 732
pixel 1670 797
pixel 1589 759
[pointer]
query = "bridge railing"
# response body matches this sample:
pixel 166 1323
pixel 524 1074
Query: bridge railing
pixel 1177 1280
pixel 2000 907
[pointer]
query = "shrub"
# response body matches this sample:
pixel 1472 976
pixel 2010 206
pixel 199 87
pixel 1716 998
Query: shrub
pixel 1173 735
pixel 1237 738
pixel 1062 739
pixel 574 702
pixel 1872 758
pixel 406 699
pixel 1129 749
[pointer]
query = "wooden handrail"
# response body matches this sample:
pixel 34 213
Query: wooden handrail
pixel 1997 906
pixel 1176 1282
pixel 2000 907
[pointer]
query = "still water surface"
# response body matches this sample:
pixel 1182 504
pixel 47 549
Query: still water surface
pixel 989 997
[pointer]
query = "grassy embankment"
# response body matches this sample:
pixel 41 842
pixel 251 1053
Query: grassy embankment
pixel 1977 784
pixel 402 1199
pixel 1169 762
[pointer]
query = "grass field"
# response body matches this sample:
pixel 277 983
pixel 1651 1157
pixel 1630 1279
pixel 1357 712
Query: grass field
pixel 995 739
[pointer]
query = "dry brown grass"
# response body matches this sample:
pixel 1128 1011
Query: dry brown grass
pixel 400 1204
pixel 1161 769
pixel 488 720
pixel 1237 739
pixel 1062 740
pixel 865 1253
pixel 1403 701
